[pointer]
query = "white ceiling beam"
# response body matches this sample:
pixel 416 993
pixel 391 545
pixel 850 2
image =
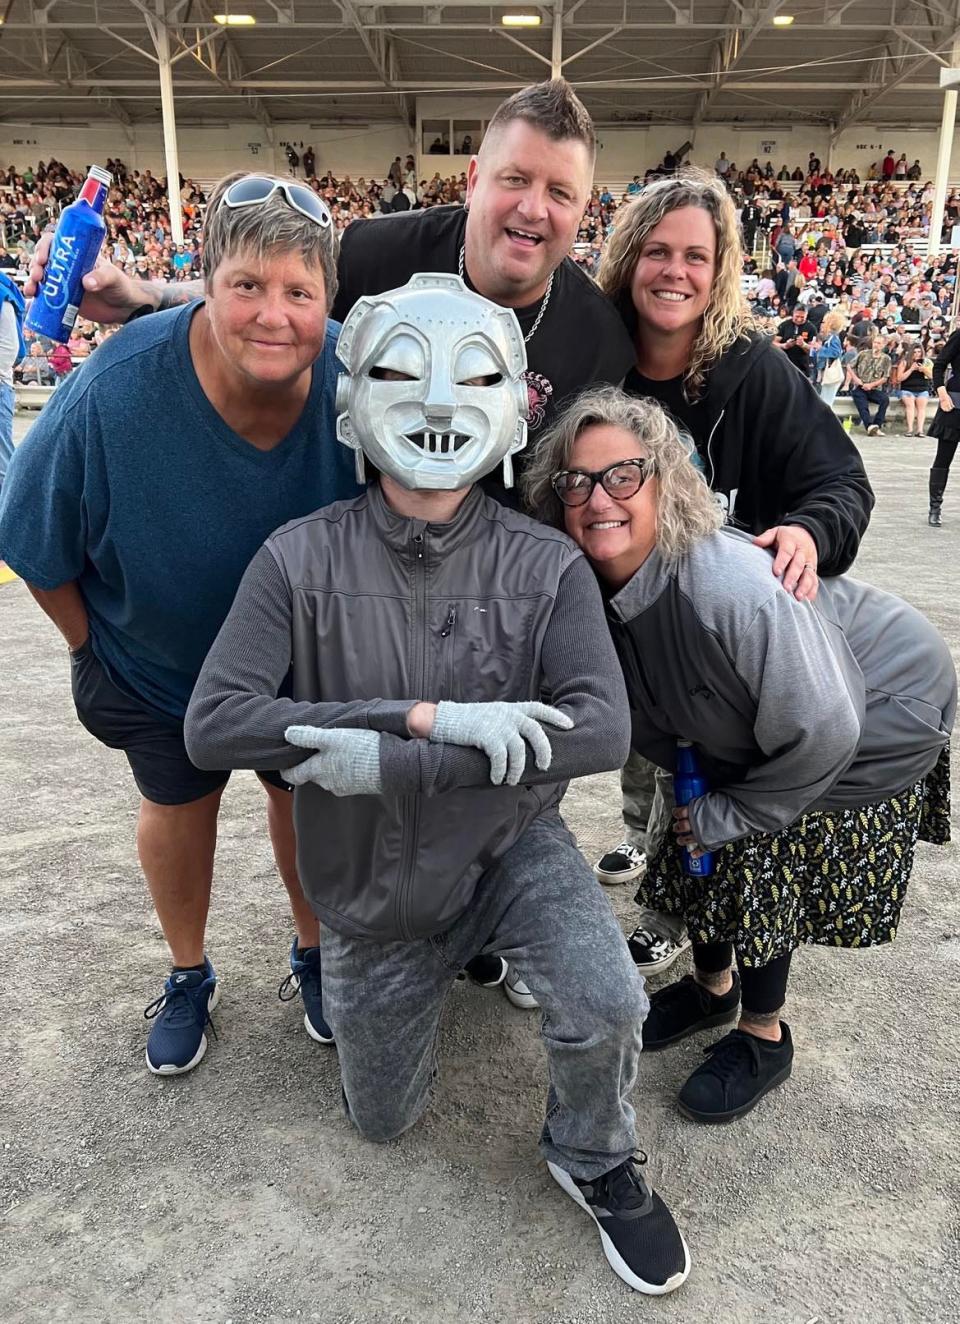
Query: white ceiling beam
pixel 912 41
pixel 862 100
pixel 731 49
pixel 379 48
pixel 515 41
pixel 607 36
pixel 241 83
pixel 928 30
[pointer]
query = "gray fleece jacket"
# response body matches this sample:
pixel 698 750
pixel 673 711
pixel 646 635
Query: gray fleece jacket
pixel 792 705
pixel 362 613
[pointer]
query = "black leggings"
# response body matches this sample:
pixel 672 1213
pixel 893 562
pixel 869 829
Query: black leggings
pixel 762 989
pixel 945 452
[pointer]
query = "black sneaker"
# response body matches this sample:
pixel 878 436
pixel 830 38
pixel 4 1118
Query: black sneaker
pixel 486 970
pixel 641 1241
pixel 740 1069
pixel 685 1008
pixel 620 865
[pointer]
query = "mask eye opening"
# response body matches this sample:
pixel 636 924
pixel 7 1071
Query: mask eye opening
pixel 381 374
pixel 491 379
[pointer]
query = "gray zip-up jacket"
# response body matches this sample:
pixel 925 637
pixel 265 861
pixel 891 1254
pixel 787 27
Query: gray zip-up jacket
pixel 792 705
pixel 374 612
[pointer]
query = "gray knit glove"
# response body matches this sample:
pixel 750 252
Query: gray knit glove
pixel 347 762
pixel 499 729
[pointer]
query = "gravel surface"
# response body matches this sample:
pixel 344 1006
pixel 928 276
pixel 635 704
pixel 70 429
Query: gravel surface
pixel 238 1193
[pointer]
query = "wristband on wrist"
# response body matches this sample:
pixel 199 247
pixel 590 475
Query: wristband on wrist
pixel 143 311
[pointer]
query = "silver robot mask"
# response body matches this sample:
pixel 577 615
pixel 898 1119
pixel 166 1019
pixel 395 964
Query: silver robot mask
pixel 435 396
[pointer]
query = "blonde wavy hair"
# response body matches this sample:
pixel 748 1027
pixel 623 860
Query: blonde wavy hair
pixel 834 321
pixel 686 508
pixel 727 317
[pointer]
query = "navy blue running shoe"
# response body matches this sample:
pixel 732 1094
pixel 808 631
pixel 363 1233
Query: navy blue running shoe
pixel 180 1015
pixel 304 978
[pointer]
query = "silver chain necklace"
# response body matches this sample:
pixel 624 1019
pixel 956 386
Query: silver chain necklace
pixel 543 302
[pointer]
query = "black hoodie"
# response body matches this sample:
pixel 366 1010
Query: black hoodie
pixel 777 454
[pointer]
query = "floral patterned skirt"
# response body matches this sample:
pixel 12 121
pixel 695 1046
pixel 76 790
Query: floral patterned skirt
pixel 837 877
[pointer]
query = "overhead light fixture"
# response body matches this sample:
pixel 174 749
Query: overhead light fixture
pixel 235 20
pixel 521 20
pixel 782 20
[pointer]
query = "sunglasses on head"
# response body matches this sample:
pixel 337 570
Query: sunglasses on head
pixel 254 190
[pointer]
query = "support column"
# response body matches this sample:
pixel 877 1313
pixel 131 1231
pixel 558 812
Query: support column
pixel 947 126
pixel 161 40
pixel 556 48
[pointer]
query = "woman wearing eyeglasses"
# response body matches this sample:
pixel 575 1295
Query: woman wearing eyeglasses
pixel 823 727
pixel 777 458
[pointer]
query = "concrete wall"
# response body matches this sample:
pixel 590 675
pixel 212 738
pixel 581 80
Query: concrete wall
pixel 210 151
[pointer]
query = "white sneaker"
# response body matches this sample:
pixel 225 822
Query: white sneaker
pixel 621 865
pixel 517 991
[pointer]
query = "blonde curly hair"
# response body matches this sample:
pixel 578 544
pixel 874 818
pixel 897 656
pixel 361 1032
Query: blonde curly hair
pixel 727 317
pixel 686 508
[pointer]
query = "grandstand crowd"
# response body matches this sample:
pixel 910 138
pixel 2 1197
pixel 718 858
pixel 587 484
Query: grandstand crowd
pixel 815 238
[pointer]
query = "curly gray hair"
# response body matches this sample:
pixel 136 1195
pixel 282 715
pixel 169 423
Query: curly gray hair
pixel 686 508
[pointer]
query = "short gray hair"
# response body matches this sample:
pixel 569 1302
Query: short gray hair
pixel 261 230
pixel 686 508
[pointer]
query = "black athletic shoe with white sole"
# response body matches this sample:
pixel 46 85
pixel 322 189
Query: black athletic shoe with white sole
pixel 641 1241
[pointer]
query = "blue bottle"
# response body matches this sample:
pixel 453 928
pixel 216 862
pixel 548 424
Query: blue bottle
pixel 688 784
pixel 76 243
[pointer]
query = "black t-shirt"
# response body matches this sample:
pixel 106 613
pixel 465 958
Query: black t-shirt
pixel 803 334
pixel 686 414
pixel 580 342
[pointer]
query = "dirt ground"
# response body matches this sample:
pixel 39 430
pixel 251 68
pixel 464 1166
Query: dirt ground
pixel 238 1193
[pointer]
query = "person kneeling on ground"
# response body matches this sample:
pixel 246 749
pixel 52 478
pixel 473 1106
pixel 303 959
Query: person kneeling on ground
pixel 434 636
pixel 823 728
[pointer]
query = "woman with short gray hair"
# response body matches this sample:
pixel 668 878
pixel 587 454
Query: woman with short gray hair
pixel 823 728
pixel 132 510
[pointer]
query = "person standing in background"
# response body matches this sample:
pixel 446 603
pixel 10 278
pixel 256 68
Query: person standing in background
pixel 12 350
pixel 946 422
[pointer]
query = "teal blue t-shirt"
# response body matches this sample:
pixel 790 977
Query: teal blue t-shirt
pixel 131 484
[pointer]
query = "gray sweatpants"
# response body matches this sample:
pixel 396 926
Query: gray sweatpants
pixel 542 909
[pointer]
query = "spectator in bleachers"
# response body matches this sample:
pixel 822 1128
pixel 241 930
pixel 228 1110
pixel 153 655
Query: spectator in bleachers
pixel 34 369
pixel 830 367
pixel 870 376
pixel 912 378
pixel 61 362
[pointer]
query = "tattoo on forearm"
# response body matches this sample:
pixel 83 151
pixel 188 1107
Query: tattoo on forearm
pixel 172 296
